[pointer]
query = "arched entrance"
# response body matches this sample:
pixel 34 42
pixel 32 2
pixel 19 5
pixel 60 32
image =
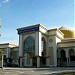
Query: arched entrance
pixel 72 57
pixel 29 52
pixel 63 58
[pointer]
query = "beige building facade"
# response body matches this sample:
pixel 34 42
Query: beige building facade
pixel 10 53
pixel 40 47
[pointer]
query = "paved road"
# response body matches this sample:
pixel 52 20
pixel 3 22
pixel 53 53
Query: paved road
pixel 33 71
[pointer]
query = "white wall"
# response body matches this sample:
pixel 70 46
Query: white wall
pixel 43 30
pixel 54 43
pixel 66 45
pixel 20 46
pixel 38 44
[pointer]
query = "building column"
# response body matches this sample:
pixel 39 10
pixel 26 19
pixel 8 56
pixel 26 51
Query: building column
pixel 38 44
pixel 20 61
pixel 47 61
pixel 20 50
pixel 55 55
pixel 55 50
pixel 38 61
pixel 20 46
pixel 30 61
pixel 25 58
pixel 8 54
pixel 67 61
pixel 67 57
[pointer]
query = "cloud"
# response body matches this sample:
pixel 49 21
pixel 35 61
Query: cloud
pixel 5 1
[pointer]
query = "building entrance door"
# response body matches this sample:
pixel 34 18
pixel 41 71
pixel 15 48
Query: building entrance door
pixel 34 61
pixel 42 61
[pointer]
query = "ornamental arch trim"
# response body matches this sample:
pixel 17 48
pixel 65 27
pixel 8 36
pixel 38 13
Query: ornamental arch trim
pixel 29 45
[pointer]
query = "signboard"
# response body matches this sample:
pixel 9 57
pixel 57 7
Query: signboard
pixel 28 30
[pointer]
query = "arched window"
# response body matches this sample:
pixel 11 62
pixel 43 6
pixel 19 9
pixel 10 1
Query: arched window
pixel 63 55
pixel 71 55
pixel 43 47
pixel 29 44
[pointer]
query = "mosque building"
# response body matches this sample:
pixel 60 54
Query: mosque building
pixel 42 47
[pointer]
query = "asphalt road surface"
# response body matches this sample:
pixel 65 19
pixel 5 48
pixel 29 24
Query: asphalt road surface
pixel 20 72
pixel 34 71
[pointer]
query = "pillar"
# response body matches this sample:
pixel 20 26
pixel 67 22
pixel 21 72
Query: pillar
pixel 67 57
pixel 38 44
pixel 38 61
pixel 25 58
pixel 55 55
pixel 8 54
pixel 20 60
pixel 20 46
pixel 47 61
pixel 30 61
pixel 55 50
pixel 20 50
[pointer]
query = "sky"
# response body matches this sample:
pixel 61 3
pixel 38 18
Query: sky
pixel 21 13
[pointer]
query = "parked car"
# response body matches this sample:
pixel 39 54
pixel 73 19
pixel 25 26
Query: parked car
pixel 15 65
pixel 9 64
pixel 12 65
